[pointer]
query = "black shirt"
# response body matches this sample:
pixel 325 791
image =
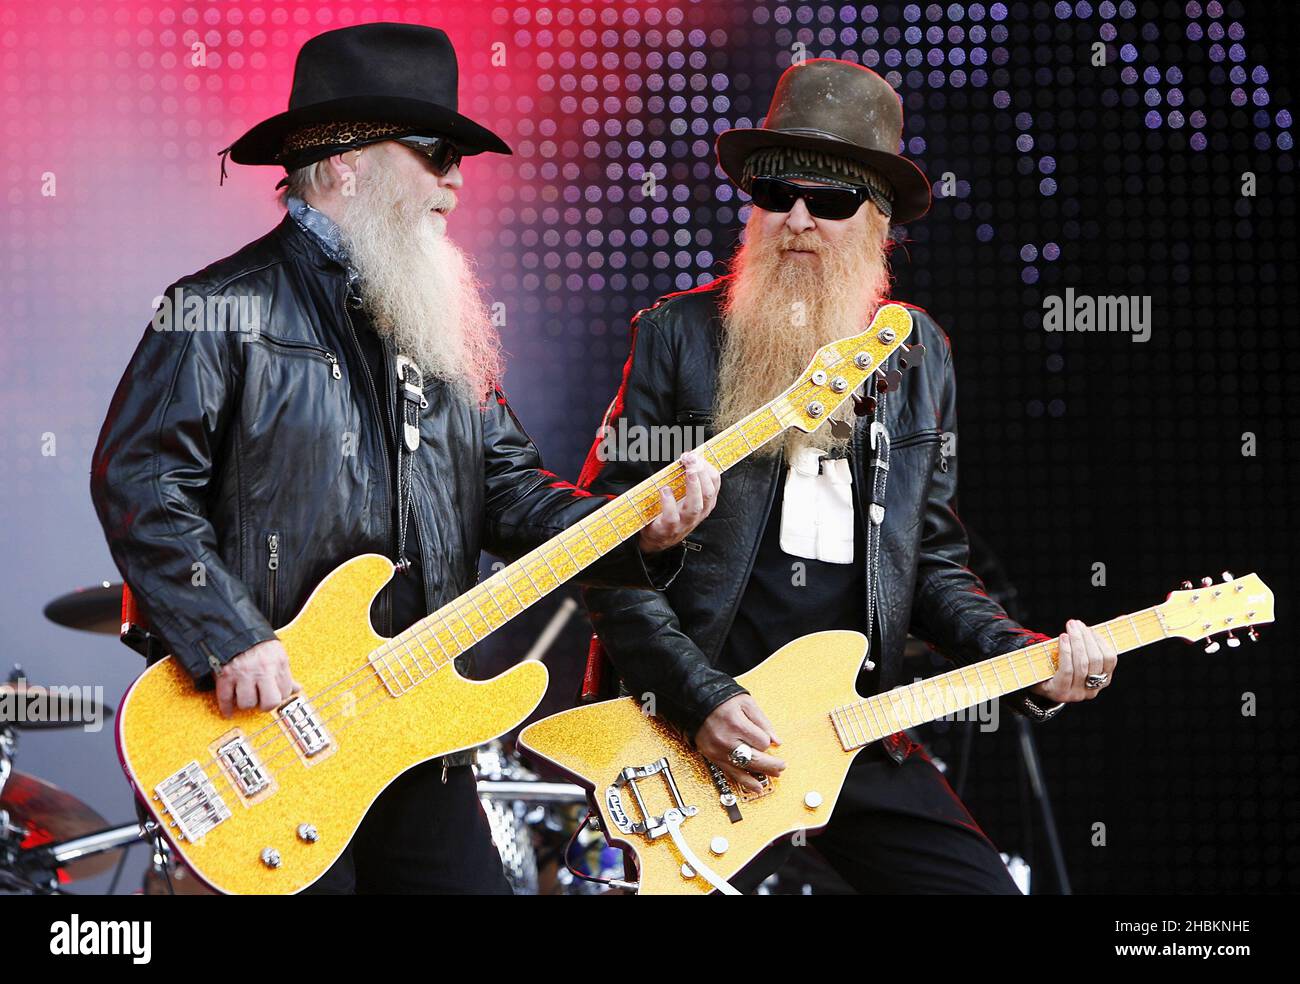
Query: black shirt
pixel 405 590
pixel 783 602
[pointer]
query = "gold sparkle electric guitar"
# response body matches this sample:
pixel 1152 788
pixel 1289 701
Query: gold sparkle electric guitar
pixel 657 796
pixel 266 801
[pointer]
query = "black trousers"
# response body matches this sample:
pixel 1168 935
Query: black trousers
pixel 421 836
pixel 898 829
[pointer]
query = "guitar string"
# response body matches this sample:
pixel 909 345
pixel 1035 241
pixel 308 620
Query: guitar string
pixel 621 505
pixel 428 625
pixel 722 443
pixel 431 625
pixel 1017 659
pixel 872 711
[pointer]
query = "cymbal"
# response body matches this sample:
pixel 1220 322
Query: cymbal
pixel 32 708
pixel 49 814
pixel 93 609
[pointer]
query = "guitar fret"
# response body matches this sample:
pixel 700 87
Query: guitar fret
pixel 455 610
pixel 493 595
pixel 487 622
pixel 577 566
pixel 437 637
pixel 858 724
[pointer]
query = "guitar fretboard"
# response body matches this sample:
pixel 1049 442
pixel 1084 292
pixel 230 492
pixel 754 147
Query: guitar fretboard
pixel 868 720
pixel 435 641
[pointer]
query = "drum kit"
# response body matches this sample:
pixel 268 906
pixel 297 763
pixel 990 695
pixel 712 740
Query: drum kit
pixel 50 839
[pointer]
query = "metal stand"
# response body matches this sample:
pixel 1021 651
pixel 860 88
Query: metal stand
pixel 1032 767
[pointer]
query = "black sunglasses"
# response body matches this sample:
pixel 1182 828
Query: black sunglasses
pixel 441 152
pixel 779 195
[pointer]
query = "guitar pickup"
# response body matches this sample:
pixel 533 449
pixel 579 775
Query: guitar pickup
pixel 305 727
pixel 244 767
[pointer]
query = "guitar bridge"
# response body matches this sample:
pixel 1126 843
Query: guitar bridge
pixel 649 825
pixel 192 801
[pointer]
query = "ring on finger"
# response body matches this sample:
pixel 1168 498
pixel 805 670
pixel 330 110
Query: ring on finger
pixel 741 755
pixel 1095 681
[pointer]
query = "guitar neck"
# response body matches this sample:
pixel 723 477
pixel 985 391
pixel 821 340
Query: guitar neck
pixel 454 628
pixel 868 720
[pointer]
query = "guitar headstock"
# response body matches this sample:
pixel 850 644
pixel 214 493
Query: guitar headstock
pixel 1198 612
pixel 839 368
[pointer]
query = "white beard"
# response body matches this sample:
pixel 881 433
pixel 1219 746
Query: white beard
pixel 419 287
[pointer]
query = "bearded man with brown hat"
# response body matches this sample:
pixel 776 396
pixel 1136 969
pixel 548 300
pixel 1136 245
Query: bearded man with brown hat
pixel 851 527
pixel 339 394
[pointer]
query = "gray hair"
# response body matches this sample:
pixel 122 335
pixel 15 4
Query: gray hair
pixel 309 178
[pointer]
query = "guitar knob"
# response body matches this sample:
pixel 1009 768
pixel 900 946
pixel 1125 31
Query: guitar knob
pixel 1227 575
pixel 270 857
pixel 1252 634
pixel 1232 641
pixel 912 356
pixel 1186 585
pixel 1212 646
pixel 1207 582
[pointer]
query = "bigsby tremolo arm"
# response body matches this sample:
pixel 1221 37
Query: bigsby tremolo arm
pixel 670 822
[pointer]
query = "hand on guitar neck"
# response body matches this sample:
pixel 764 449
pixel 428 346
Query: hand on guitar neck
pixel 676 519
pixel 1083 653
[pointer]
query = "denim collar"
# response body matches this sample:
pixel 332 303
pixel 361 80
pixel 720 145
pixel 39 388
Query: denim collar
pixel 323 230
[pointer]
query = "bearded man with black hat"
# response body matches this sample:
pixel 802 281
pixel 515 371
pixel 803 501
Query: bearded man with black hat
pixel 356 409
pixel 851 527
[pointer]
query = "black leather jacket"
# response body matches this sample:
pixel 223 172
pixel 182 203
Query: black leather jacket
pixel 666 643
pixel 218 440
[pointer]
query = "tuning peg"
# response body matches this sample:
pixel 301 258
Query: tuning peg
pixel 911 355
pixel 1186 585
pixel 1207 582
pixel 1252 633
pixel 1212 646
pixel 1232 641
pixel 864 406
pixel 1227 575
pixel 888 379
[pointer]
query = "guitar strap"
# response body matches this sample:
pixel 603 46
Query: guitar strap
pixel 879 477
pixel 410 401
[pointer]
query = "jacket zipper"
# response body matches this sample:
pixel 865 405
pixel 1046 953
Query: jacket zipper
pixel 324 353
pixel 383 442
pixel 272 571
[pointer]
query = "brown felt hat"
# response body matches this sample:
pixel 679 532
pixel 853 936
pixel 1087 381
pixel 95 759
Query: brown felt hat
pixel 838 109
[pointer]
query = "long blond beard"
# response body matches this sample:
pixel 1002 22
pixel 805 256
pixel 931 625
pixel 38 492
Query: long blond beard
pixel 777 311
pixel 418 286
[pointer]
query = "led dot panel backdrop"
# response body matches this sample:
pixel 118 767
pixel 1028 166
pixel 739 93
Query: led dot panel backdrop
pixel 1142 150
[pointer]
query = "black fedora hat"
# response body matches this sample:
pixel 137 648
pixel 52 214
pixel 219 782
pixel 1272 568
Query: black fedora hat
pixel 842 109
pixel 401 75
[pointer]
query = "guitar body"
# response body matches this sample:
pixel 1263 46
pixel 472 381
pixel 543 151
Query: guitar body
pixel 796 687
pixel 164 724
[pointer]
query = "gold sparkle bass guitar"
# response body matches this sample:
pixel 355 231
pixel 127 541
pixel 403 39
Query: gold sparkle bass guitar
pixel 265 802
pixel 656 796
